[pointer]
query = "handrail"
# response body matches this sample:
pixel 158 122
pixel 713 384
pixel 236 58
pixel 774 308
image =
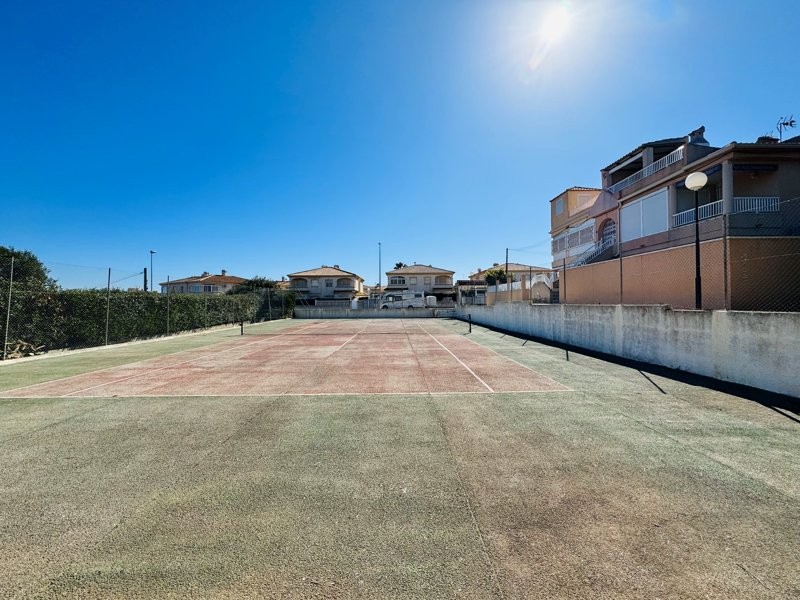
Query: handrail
pixel 661 163
pixel 594 252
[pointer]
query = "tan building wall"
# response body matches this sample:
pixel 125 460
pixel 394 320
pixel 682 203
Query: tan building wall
pixel 661 277
pixel 763 274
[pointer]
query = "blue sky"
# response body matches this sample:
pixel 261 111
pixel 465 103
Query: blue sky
pixel 267 138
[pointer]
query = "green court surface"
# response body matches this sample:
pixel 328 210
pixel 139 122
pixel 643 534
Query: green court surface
pixel 596 480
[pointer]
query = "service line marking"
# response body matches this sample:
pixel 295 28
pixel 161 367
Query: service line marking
pixel 486 385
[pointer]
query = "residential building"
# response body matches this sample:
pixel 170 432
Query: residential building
pixel 572 227
pixel 748 221
pixel 431 281
pixel 327 284
pixel 206 283
pixel 528 283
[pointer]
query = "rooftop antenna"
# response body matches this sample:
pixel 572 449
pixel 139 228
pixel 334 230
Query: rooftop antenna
pixel 785 123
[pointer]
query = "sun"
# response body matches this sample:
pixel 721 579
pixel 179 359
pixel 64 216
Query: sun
pixel 556 24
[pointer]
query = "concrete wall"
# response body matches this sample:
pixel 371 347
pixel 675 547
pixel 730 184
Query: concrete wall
pixel 309 312
pixel 755 349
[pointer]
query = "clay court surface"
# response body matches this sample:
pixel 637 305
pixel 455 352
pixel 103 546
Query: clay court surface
pixel 392 458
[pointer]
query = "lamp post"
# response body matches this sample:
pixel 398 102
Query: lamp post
pixel 694 182
pixel 151 270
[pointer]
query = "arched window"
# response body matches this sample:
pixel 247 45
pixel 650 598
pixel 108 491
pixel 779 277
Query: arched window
pixel 608 232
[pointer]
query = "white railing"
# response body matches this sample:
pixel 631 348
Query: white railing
pixel 594 252
pixel 757 204
pixel 661 163
pixel 706 211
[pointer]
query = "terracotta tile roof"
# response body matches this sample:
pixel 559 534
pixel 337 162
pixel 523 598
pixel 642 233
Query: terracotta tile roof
pixel 208 279
pixel 418 270
pixel 325 271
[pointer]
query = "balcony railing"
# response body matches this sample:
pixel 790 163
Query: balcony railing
pixel 661 163
pixel 756 204
pixel 706 211
pixel 741 204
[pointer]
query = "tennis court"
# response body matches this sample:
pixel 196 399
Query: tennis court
pixel 378 459
pixel 314 358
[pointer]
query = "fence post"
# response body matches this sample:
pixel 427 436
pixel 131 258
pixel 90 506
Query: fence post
pixel 108 302
pixel 725 260
pixel 8 308
pixel 167 305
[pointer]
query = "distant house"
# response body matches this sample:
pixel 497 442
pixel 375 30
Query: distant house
pixel 202 284
pixel 529 283
pixel 326 284
pixel 429 280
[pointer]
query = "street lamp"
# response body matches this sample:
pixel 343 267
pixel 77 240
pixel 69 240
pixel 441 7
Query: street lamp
pixel 151 270
pixel 694 182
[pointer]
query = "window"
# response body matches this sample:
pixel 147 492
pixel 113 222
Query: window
pixel 443 280
pixel 586 236
pixel 559 206
pixel 572 239
pixel 427 281
pixel 583 201
pixel 196 289
pixel 396 280
pixel 315 283
pixel 329 283
pixel 412 280
pixel 644 217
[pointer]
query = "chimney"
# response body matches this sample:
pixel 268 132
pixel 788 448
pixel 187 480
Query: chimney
pixel 696 137
pixel 224 272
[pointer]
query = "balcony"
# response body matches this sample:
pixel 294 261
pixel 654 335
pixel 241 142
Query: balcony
pixel 706 211
pixel 756 204
pixel 741 204
pixel 660 164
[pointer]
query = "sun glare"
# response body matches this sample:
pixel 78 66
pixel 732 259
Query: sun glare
pixel 555 24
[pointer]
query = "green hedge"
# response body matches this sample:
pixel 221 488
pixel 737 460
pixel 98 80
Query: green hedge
pixel 77 318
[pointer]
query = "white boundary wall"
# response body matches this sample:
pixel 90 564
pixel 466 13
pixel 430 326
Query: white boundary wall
pixel 758 349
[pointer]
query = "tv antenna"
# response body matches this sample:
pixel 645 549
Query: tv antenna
pixel 785 123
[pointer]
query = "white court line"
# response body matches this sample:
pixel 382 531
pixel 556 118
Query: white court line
pixel 515 362
pixel 324 394
pixel 486 385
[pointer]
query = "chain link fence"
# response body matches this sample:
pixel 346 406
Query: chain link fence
pixel 37 315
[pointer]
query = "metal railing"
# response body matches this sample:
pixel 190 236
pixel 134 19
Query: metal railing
pixel 661 163
pixel 757 204
pixel 594 252
pixel 706 211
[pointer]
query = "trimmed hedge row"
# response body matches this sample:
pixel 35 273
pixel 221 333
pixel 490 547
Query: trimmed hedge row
pixel 77 318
